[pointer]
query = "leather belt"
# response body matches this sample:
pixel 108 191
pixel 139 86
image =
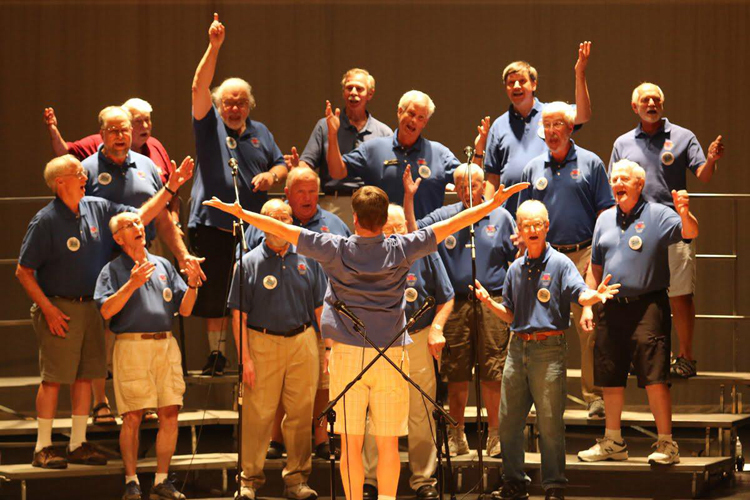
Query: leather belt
pixel 635 298
pixel 290 333
pixel 572 248
pixel 144 336
pixel 82 298
pixel 538 336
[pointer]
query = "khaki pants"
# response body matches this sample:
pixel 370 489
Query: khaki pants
pixel 422 452
pixel 590 392
pixel 286 371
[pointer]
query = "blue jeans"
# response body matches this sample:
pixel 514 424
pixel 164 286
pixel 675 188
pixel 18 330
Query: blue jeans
pixel 535 372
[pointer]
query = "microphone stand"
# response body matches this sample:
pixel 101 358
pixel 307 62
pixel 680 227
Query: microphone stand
pixel 331 414
pixel 441 435
pixel 238 229
pixel 469 151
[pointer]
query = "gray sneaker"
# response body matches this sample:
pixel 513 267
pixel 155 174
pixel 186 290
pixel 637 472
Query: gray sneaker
pixel 457 442
pixel 246 493
pixel 596 408
pixel 667 453
pixel 604 449
pixel 300 491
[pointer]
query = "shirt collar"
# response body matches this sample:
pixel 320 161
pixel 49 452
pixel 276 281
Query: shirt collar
pixel 536 108
pixel 367 240
pixel 414 147
pixel 665 129
pixel 315 218
pixel 128 262
pixel 571 156
pixel 622 219
pixel 541 259
pixel 268 253
pixel 62 208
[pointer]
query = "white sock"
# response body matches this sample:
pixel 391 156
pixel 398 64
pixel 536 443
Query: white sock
pixel 78 431
pixel 213 341
pixel 385 497
pixel 665 437
pixel 44 433
pixel 614 435
pixel 159 478
pixel 132 478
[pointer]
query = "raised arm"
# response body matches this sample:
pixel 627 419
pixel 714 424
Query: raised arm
pixel 59 146
pixel 204 74
pixel 159 201
pixel 681 201
pixel 583 102
pixel 715 151
pixel 410 189
pixel 287 232
pixel 336 165
pixel 445 228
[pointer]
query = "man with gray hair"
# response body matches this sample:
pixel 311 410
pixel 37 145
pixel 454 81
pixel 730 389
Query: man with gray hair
pixel 515 137
pixel 631 243
pixel 572 182
pixel 224 132
pixel 357 126
pixel 666 152
pixel 67 244
pixel 381 162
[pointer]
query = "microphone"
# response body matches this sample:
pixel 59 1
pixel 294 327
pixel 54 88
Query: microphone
pixel 232 164
pixel 343 309
pixel 469 152
pixel 429 303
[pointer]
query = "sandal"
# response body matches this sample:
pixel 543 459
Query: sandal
pixel 150 416
pixel 105 418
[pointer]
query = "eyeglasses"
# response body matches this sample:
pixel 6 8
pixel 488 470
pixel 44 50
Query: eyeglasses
pixel 81 174
pixel 557 125
pixel 536 225
pixel 118 130
pixel 128 225
pixel 230 103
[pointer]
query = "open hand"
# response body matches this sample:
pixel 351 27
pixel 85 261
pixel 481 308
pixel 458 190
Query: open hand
pixel 332 119
pixel 716 150
pixel 57 321
pixel 410 185
pixel 605 291
pixel 584 51
pixel 292 160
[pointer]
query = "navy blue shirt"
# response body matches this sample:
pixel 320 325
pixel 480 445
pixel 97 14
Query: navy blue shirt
pixel 495 251
pixel 426 278
pixel 133 183
pixel 634 248
pixel 256 152
pixel 381 162
pixel 349 138
pixel 539 291
pixel 369 275
pixel 574 192
pixel 66 250
pixel 322 222
pixel 666 157
pixel 280 292
pixel 152 306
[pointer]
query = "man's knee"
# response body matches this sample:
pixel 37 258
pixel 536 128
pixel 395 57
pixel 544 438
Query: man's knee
pixel 132 418
pixel 491 385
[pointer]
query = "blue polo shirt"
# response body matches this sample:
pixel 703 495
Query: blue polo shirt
pixel 322 222
pixel 512 142
pixel 369 275
pixel 66 250
pixel 280 292
pixel 633 248
pixel 426 278
pixel 574 192
pixel 495 251
pixel 349 138
pixel 666 157
pixel 152 306
pixel 132 183
pixel 539 291
pixel 256 152
pixel 381 162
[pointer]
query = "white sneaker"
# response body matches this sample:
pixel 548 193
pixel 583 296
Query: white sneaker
pixel 604 449
pixel 246 493
pixel 493 446
pixel 667 453
pixel 457 442
pixel 300 491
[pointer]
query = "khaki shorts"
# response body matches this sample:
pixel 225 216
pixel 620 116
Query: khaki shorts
pixel 494 336
pixel 682 269
pixel 147 374
pixel 81 354
pixel 381 389
pixel 323 377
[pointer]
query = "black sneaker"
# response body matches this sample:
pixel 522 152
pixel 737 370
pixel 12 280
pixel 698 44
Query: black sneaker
pixel 683 367
pixel 165 491
pixel 512 490
pixel 369 492
pixel 275 450
pixel 554 494
pixel 427 492
pixel 214 364
pixel 132 491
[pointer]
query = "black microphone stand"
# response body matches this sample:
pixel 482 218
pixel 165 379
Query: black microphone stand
pixel 441 435
pixel 328 411
pixel 238 229
pixel 469 151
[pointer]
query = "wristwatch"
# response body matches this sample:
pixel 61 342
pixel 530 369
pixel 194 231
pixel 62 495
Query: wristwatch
pixel 275 177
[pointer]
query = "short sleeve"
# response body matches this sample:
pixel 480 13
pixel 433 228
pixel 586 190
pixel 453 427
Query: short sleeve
pixel 443 288
pixel 508 289
pixel 233 301
pixel 319 285
pixel 314 152
pixel 322 247
pixel 597 256
pixel 37 244
pixel 105 286
pixel 572 281
pixel 600 184
pixel 178 284
pixel 614 157
pixel 419 244
pixel 670 224
pixel 695 155
pixel 356 160
pixel 275 157
pixel 492 158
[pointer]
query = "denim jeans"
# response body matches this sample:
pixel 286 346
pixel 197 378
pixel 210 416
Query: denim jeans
pixel 535 372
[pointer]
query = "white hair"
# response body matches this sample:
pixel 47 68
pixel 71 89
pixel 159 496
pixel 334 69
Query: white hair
pixel 566 110
pixel 636 170
pixel 117 220
pixel 530 208
pixel 394 209
pixel 229 82
pixel 416 96
pixel 138 104
pixel 462 170
pixel 637 92
pixel 58 167
pixel 103 114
